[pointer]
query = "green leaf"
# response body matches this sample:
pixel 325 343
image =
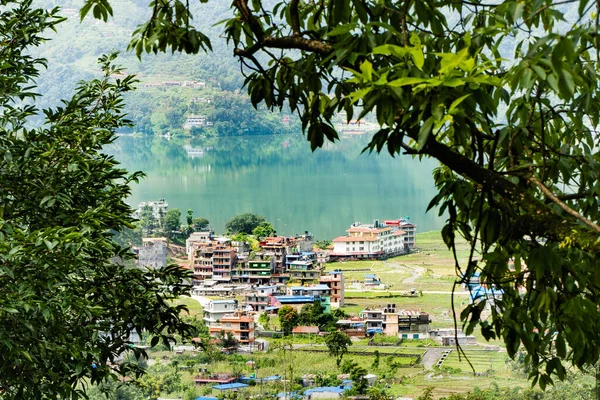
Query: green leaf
pixel 406 81
pixel 452 109
pixel 424 132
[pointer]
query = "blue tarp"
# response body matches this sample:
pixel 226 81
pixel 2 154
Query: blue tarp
pixel 265 379
pixel 481 292
pixel 374 330
pixel 206 398
pixel 229 386
pixel 292 395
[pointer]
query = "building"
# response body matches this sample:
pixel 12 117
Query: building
pixel 259 300
pixel 278 247
pixel 372 280
pixel 196 237
pixel 405 324
pixel 368 242
pixel 254 272
pixel 202 262
pixel 239 325
pixel 217 309
pixel 159 209
pixel 450 337
pixel 153 253
pixel 297 302
pixel 196 121
pixel 335 281
pixel 224 260
pixel 409 229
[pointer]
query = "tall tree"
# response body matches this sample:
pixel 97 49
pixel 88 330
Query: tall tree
pixel 263 230
pixel 173 220
pixel 504 94
pixel 337 342
pixel 67 308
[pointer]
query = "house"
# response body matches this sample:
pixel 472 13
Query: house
pixel 335 281
pixel 254 272
pixel 239 325
pixel 372 280
pixel 217 309
pixel 153 253
pixel 278 247
pixel 373 321
pixel 305 330
pixel 259 299
pixel 296 302
pixel 326 392
pixel 449 337
pixel 213 260
pixel 368 242
pixel 352 327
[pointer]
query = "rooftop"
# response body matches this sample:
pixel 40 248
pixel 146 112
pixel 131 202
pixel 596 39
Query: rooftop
pixel 229 386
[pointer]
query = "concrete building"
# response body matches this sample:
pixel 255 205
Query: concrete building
pixel 196 237
pixel 278 247
pixel 196 121
pixel 404 224
pixel 159 208
pixel 217 309
pixel 202 261
pixel 224 260
pixel 259 299
pixel 335 281
pixel 254 272
pixel 240 326
pixel 153 253
pixel 368 242
pixel 405 324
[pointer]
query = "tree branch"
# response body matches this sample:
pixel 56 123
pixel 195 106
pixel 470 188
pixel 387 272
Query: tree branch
pixel 562 205
pixel 286 42
pixel 295 17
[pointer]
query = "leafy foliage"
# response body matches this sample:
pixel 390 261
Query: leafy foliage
pixel 337 343
pixel 263 230
pixel 504 95
pixel 288 319
pixel 244 223
pixel 68 303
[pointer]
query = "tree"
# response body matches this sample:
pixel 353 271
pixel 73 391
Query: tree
pixel 172 221
pixel 337 342
pixel 288 319
pixel 200 224
pixel 264 230
pixel 244 223
pixel 189 218
pixel 503 94
pixel 359 382
pixel 67 306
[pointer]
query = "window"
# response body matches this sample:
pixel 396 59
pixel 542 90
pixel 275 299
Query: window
pixel 228 325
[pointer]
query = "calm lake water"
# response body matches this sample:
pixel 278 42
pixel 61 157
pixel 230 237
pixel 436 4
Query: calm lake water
pixel 280 178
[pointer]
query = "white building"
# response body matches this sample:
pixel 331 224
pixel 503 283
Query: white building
pixel 369 241
pixel 217 309
pixel 196 121
pixel 159 208
pixel 404 224
pixel 196 237
pixel 153 253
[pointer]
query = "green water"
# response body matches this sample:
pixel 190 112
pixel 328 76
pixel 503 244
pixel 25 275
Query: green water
pixel 280 178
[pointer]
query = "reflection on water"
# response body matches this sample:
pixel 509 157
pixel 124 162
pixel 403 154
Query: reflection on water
pixel 280 178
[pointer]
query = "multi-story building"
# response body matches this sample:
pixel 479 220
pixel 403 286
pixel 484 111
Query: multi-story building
pixel 278 247
pixel 215 310
pixel 202 262
pixel 315 291
pixel 254 272
pixel 224 261
pixel 153 253
pixel 259 300
pixel 335 281
pixel 373 321
pixel 368 242
pixel 404 324
pixel 409 229
pixel 213 260
pixel 240 326
pixel 196 237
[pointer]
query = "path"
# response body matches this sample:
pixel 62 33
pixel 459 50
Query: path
pixel 431 357
pixel 202 300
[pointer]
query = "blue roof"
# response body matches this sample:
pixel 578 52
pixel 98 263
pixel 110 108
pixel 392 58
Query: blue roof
pixel 292 395
pixel 479 292
pixel 336 272
pixel 295 299
pixel 265 379
pixel 271 308
pixel 228 386
pixel 330 389
pixel 370 276
pixel 375 330
pixel 206 398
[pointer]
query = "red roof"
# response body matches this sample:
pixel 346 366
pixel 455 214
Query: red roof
pixel 344 239
pixel 306 329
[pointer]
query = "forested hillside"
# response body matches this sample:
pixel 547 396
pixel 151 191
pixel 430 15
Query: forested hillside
pixel 155 107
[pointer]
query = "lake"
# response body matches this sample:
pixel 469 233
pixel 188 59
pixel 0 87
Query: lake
pixel 279 177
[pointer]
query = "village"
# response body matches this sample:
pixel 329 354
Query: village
pixel 244 293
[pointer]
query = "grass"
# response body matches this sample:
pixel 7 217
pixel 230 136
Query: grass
pixel 194 308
